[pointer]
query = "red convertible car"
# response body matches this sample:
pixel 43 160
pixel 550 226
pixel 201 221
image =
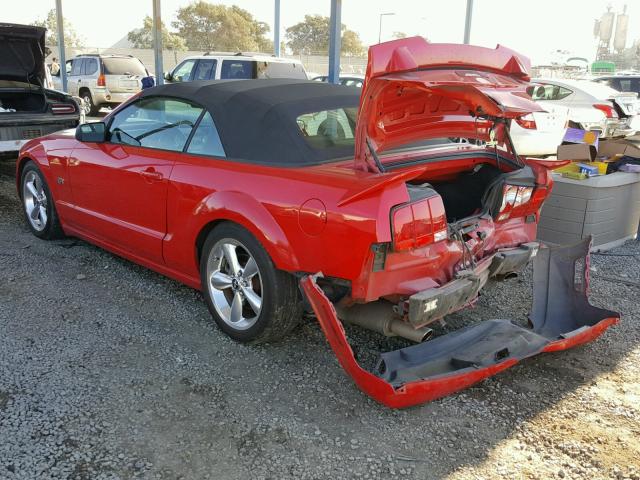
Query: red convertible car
pixel 388 209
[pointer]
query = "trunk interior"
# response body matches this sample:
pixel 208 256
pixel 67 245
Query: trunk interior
pixel 463 195
pixel 22 101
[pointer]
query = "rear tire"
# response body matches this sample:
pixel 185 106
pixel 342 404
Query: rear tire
pixel 38 204
pixel 89 107
pixel 249 299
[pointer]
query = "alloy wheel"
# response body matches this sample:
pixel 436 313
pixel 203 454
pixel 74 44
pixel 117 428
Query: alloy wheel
pixel 35 201
pixel 234 284
pixel 86 106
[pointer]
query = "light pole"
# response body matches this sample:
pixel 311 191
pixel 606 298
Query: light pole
pixel 276 29
pixel 61 54
pixel 467 21
pixel 380 28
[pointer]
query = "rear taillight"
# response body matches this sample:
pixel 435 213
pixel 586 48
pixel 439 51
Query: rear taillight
pixel 101 81
pixel 516 201
pixel 419 224
pixel 608 110
pixel 62 108
pixel 527 121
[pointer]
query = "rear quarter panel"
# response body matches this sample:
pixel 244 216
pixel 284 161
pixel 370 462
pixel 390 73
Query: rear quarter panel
pixel 268 202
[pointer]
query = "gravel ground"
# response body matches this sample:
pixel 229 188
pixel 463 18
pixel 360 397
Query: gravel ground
pixel 108 370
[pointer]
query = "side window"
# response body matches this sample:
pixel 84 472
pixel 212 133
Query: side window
pixel 329 128
pixel 76 68
pixel 624 85
pixel 206 70
pixel 240 69
pixel 182 73
pixel 68 66
pixel 549 92
pixel 154 122
pixel 90 66
pixel 205 140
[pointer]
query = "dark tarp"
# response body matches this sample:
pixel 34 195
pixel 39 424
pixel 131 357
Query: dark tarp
pixel 256 119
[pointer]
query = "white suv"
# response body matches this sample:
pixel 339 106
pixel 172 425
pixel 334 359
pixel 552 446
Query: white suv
pixel 103 80
pixel 220 65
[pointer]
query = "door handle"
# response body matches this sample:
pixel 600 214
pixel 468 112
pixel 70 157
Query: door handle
pixel 151 174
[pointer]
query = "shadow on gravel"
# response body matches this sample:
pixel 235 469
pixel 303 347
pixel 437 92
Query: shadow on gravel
pixel 180 398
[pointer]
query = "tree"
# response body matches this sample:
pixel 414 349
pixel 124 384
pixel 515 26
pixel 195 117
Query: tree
pixel 143 37
pixel 205 26
pixel 312 36
pixel 399 35
pixel 71 38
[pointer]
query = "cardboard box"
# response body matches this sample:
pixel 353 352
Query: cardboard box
pixel 580 151
pixel 611 148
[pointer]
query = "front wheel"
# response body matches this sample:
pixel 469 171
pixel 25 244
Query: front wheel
pixel 39 209
pixel 249 299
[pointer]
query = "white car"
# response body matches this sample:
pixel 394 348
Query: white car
pixel 538 134
pixel 220 65
pixel 592 106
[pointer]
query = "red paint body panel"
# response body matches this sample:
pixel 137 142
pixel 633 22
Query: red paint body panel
pixel 415 393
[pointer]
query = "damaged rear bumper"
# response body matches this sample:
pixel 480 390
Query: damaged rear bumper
pixel 561 317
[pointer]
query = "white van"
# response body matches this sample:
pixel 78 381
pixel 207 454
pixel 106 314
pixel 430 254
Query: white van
pixel 221 65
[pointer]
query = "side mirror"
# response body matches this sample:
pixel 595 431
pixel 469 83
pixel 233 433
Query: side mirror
pixel 167 76
pixel 92 132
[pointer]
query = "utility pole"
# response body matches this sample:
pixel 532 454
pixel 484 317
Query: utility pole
pixel 380 26
pixel 63 60
pixel 467 22
pixel 157 42
pixel 335 40
pixel 276 30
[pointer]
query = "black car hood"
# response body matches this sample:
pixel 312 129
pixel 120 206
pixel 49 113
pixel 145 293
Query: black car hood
pixel 22 53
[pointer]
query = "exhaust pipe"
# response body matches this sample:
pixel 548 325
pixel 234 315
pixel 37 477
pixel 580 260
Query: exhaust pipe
pixel 380 317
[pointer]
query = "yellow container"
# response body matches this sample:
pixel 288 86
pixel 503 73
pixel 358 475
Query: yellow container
pixel 602 167
pixel 569 168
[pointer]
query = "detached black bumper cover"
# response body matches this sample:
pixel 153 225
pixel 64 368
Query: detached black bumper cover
pixel 562 317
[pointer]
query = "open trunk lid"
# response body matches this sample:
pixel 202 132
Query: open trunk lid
pixel 22 53
pixel 415 91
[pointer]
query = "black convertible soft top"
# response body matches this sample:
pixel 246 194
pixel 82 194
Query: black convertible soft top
pixel 256 119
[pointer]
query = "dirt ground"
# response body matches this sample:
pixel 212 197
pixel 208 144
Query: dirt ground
pixel 108 370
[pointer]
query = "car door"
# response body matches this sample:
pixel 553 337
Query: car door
pixel 204 70
pixel 182 73
pixel 74 76
pixel 89 74
pixel 120 186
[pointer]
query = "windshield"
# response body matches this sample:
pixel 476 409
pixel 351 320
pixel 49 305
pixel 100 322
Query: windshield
pixel 123 66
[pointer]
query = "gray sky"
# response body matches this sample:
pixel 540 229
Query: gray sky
pixel 532 27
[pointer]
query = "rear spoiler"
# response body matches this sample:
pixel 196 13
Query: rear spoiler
pixel 416 53
pixel 378 183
